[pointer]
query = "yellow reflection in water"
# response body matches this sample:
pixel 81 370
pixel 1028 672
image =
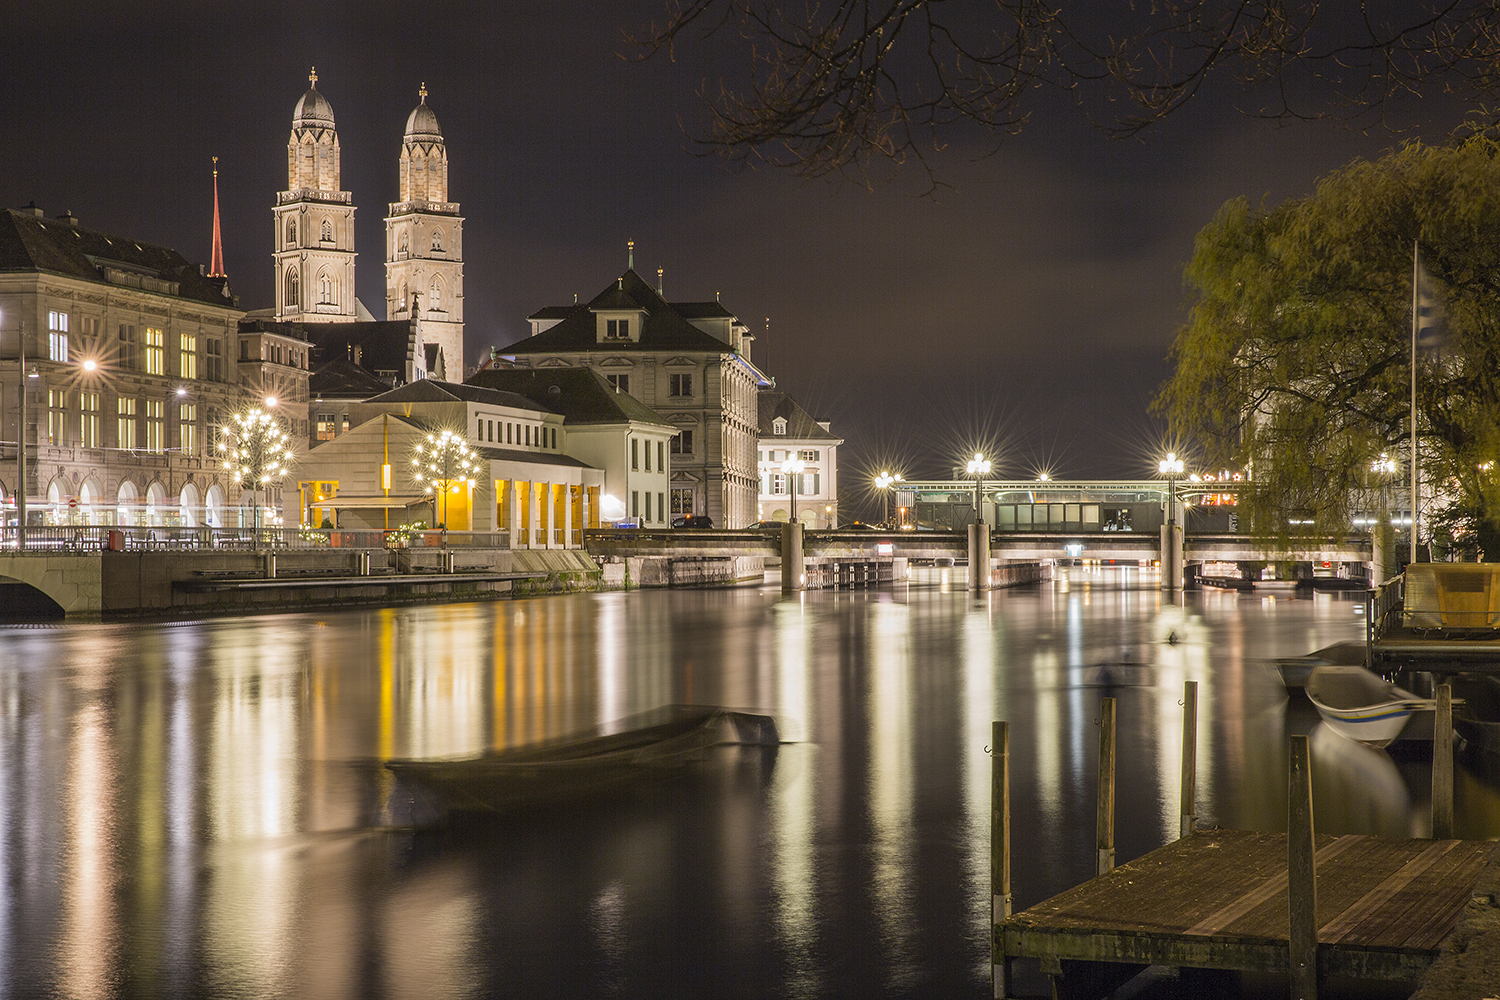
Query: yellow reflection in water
pixel 86 951
pixel 793 801
pixel 891 746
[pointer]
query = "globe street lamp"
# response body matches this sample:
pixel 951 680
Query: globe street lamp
pixel 792 469
pixel 885 481
pixel 1384 469
pixel 1171 536
pixel 978 467
pixel 1171 467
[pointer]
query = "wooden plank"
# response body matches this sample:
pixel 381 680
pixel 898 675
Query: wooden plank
pixel 1435 909
pixel 1339 927
pixel 1343 880
pixel 1226 915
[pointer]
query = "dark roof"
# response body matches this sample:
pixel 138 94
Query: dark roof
pixel 343 379
pixel 384 345
pixel 429 390
pixel 555 312
pixel 799 423
pixel 582 395
pixel 702 310
pixel 29 242
pixel 664 329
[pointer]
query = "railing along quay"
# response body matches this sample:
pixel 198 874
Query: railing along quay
pixel 56 539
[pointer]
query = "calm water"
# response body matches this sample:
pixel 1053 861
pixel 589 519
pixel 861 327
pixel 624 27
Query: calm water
pixel 198 809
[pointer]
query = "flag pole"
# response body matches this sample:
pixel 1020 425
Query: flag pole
pixel 1414 266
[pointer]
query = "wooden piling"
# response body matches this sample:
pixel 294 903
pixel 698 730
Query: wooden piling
pixel 1000 897
pixel 1302 887
pixel 1106 816
pixel 1442 765
pixel 1189 797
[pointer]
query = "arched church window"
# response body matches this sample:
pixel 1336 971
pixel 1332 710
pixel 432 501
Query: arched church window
pixel 435 296
pixel 437 241
pixel 291 232
pixel 293 289
pixel 325 288
pixel 327 231
pixel 401 302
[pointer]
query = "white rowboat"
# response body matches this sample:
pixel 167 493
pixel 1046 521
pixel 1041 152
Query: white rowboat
pixel 1360 705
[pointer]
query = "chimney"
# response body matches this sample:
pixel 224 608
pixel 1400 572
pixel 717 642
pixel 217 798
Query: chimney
pixel 67 218
pixel 31 209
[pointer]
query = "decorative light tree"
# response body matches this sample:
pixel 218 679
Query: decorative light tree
pixel 444 462
pixel 255 449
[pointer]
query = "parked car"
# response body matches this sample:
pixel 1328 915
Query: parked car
pixel 693 521
pixel 858 526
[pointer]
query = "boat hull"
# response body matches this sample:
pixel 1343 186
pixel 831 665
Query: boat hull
pixel 1359 705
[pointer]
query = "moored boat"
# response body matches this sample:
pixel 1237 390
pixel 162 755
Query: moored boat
pixel 1360 705
pixel 566 769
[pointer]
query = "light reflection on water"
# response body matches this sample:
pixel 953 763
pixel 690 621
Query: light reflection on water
pixel 195 809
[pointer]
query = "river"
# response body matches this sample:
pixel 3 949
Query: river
pixel 197 809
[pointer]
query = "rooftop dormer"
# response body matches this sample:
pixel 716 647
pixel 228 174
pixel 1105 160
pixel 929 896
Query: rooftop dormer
pixel 618 317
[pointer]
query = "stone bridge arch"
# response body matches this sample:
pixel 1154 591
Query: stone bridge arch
pixel 50 586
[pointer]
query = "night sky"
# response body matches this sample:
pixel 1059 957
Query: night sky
pixel 1029 307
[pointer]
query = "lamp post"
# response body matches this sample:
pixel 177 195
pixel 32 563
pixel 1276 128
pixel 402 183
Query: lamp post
pixel 978 467
pixel 1384 469
pixel 792 468
pixel 886 482
pixel 1171 534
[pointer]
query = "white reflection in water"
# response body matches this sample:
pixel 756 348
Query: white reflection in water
pixel 891 746
pixel 609 653
pixel 607 915
pixel 793 802
pixel 86 952
pixel 979 710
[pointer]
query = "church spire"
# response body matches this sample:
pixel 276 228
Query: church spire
pixel 216 257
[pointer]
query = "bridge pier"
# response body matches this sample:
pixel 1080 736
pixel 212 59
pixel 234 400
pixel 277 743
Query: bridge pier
pixel 979 556
pixel 1171 556
pixel 792 570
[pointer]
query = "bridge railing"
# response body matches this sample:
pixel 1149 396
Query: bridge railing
pixel 52 539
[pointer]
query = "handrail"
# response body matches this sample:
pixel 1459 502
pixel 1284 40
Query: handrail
pixel 52 539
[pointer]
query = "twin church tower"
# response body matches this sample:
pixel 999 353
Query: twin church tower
pixel 423 231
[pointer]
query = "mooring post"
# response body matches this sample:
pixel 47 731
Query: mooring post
pixel 1442 765
pixel 1106 825
pixel 1000 898
pixel 1301 873
pixel 1189 756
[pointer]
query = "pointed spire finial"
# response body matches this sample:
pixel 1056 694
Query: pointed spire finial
pixel 630 260
pixel 423 91
pixel 312 78
pixel 658 281
pixel 216 254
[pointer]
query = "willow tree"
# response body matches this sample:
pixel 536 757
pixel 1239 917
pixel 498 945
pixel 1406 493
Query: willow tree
pixel 1296 361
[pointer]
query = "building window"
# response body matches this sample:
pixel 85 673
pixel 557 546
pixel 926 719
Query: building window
pixel 620 382
pixel 661 456
pixel 648 505
pixel 402 249
pixel 680 385
pixel 401 300
pixel 325 289
pixel 682 502
pixel 661 510
pixel 808 456
pixel 778 484
pixel 635 503
pixel 682 444
pixel 326 427
pixel 344 425
pixel 155 355
pixel 648 469
pixel 635 454
pixel 327 234
pixel 508 429
pixel 617 329
pixel 57 416
pixel 293 289
pixel 213 367
pixel 57 336
pixel 437 241
pixel 125 424
pixel 127 346
pixel 187 428
pixel 154 438
pixel 554 439
pixel 778 426
pixel 435 296
pixel 291 232
pixel 187 346
pixel 88 421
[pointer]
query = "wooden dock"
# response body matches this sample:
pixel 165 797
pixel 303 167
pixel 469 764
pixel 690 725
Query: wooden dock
pixel 1218 899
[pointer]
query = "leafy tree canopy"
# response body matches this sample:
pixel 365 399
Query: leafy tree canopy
pixel 1296 361
pixel 832 86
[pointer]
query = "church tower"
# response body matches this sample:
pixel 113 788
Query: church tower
pixel 314 221
pixel 424 247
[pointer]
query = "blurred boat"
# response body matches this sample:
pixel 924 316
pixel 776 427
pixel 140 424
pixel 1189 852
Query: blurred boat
pixel 650 744
pixel 1295 670
pixel 1360 705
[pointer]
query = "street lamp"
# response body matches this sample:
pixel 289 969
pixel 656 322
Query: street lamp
pixel 885 481
pixel 792 469
pixel 1171 467
pixel 978 467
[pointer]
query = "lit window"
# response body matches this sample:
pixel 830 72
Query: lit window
pixel 326 427
pixel 57 336
pixel 187 428
pixel 155 355
pixel 778 426
pixel 57 416
pixel 154 438
pixel 187 346
pixel 125 424
pixel 88 405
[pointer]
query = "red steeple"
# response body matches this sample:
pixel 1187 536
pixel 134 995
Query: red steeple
pixel 216 259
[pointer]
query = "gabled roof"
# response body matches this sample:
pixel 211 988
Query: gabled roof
pixel 581 395
pixel 29 242
pixel 432 391
pixel 800 424
pixel 664 328
pixel 384 345
pixel 343 379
